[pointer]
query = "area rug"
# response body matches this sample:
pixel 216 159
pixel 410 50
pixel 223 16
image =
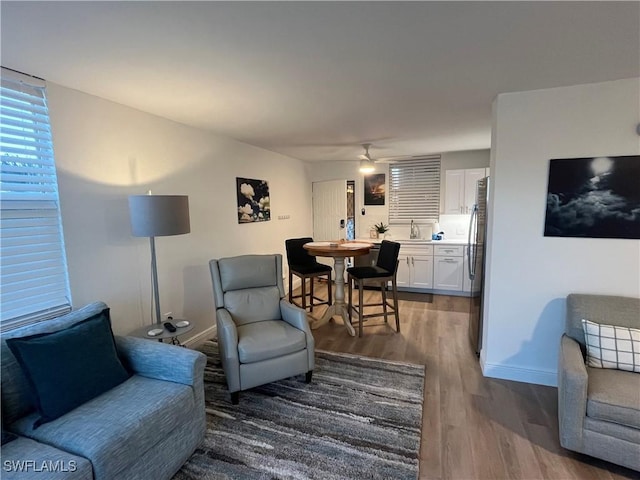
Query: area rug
pixel 359 418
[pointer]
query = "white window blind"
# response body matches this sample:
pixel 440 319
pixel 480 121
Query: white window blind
pixel 414 190
pixel 34 281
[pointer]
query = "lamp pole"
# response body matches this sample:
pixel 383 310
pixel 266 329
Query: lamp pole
pixel 154 274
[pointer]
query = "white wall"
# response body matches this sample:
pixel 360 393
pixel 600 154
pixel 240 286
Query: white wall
pixel 106 151
pixel 529 275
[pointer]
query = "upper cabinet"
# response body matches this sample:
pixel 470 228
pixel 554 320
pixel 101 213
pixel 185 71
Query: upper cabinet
pixel 460 189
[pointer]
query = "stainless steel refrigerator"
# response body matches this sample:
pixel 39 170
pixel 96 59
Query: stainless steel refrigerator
pixel 476 247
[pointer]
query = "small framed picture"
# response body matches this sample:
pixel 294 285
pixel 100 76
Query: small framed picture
pixel 373 233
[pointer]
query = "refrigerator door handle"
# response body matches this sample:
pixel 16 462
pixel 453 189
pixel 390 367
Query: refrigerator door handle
pixel 471 249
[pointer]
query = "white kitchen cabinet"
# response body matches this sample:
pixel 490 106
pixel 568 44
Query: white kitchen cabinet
pixel 447 273
pixel 448 267
pixel 422 267
pixel 453 191
pixel 403 276
pixel 460 189
pixel 415 267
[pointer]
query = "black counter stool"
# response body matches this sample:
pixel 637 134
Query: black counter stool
pixel 382 273
pixel 303 265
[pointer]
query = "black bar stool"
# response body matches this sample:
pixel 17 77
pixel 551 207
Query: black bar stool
pixel 382 273
pixel 305 266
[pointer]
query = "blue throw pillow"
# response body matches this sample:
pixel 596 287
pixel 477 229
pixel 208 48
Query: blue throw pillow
pixel 70 367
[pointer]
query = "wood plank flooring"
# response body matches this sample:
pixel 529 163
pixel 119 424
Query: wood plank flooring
pixel 472 427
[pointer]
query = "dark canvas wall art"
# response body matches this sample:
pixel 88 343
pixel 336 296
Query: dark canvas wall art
pixel 374 189
pixel 595 197
pixel 253 200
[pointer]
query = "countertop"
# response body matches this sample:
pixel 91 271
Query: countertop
pixel 416 242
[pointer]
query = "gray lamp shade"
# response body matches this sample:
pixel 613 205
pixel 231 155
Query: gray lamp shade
pixel 159 215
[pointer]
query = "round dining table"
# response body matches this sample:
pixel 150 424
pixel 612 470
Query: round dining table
pixel 338 250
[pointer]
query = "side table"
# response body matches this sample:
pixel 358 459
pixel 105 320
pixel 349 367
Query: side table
pixel 143 332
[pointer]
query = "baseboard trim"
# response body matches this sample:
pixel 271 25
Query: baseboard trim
pixel 200 338
pixel 517 374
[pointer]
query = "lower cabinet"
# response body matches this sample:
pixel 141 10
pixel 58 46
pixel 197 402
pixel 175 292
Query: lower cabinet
pixel 422 271
pixel 415 267
pixel 448 273
pixel 432 269
pixel 415 271
pixel 448 267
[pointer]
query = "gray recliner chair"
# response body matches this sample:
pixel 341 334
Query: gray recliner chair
pixel 262 337
pixel 598 408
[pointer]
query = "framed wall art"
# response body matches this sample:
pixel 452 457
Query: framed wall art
pixel 374 189
pixel 253 200
pixel 594 197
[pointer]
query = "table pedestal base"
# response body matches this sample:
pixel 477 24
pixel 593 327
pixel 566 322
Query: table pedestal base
pixel 335 310
pixel 339 308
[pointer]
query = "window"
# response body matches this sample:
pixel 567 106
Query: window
pixel 415 190
pixel 34 280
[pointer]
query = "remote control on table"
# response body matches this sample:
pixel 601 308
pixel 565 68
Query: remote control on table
pixel 169 326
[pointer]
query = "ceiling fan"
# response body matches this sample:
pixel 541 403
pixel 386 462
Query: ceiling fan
pixel 367 164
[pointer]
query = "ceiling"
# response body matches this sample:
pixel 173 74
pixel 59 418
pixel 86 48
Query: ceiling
pixel 314 80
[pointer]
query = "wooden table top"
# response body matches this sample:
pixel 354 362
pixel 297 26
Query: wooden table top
pixel 338 248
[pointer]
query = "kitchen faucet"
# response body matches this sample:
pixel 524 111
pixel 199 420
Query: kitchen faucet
pixel 415 231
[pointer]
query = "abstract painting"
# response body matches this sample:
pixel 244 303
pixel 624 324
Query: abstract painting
pixel 374 189
pixel 595 197
pixel 253 200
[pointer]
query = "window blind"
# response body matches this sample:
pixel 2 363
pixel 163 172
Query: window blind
pixel 34 280
pixel 414 190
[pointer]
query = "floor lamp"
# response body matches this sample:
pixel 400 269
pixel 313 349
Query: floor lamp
pixel 158 216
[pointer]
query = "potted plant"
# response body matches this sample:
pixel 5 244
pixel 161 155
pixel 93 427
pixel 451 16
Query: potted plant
pixel 381 228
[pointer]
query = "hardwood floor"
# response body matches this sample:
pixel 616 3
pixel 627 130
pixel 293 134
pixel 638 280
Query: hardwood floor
pixel 472 427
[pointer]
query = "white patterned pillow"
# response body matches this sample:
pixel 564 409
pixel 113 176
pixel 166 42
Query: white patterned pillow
pixel 610 346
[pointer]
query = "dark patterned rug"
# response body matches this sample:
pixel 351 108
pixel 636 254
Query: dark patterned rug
pixel 359 418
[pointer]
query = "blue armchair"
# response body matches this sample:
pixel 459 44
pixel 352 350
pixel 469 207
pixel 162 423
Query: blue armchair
pixel 262 337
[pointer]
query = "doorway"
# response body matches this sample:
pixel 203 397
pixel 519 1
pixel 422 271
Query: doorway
pixel 351 210
pixel 333 211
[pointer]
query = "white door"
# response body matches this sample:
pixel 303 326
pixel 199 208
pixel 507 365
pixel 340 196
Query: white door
pixel 329 212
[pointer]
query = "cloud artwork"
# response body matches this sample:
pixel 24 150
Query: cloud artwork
pixel 597 197
pixel 253 200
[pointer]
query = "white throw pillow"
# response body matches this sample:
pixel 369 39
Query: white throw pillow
pixel 611 346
